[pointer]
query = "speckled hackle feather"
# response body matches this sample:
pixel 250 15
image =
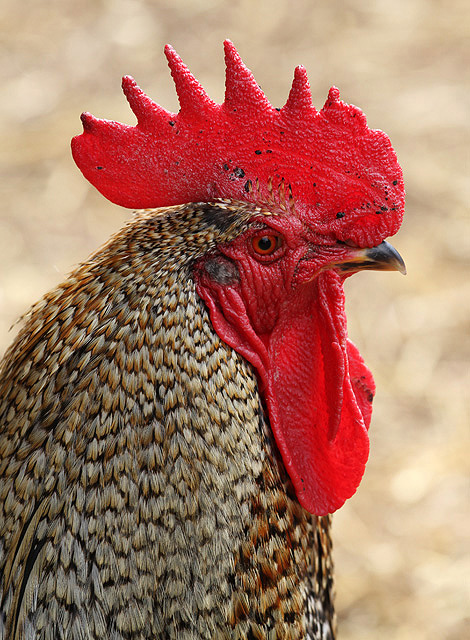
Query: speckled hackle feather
pixel 344 177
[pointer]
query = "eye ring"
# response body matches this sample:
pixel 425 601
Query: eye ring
pixel 266 244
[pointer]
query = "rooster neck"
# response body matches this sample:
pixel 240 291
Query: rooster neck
pixel 135 444
pixel 279 556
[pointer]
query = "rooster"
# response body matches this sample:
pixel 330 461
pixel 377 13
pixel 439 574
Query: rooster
pixel 182 414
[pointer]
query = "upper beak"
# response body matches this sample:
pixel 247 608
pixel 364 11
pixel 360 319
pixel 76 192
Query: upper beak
pixel 383 257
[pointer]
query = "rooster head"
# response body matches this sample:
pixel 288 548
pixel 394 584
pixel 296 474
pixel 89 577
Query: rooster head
pixel 323 192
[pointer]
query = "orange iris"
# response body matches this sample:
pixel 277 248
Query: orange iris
pixel 266 245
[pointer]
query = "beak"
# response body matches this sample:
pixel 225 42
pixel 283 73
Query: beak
pixel 383 257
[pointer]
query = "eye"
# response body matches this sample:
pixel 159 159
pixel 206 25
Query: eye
pixel 267 244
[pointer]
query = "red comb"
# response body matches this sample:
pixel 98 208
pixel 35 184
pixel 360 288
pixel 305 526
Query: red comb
pixel 344 177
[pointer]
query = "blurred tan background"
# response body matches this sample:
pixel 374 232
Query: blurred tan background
pixel 402 543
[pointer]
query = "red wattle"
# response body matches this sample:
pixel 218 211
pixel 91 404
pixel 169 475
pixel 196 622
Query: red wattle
pixel 316 386
pixel 315 416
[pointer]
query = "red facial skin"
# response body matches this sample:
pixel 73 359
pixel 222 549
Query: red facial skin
pixel 285 314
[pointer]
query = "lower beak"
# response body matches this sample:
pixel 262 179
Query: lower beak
pixel 383 257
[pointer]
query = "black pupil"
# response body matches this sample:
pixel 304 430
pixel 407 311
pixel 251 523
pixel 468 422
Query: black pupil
pixel 265 243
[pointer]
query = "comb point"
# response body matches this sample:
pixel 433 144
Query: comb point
pixel 300 96
pixel 191 94
pixel 241 88
pixel 230 51
pixel 89 122
pixel 333 98
pixel 144 108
